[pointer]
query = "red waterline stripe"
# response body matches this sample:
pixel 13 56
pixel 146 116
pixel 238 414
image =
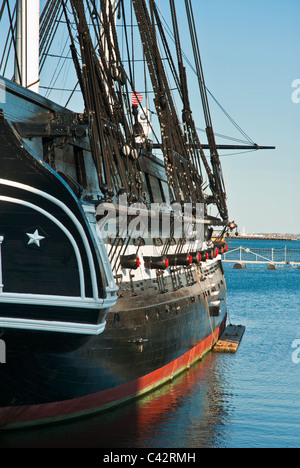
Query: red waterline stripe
pixel 16 417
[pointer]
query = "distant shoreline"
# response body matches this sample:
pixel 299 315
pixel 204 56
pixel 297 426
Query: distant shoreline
pixel 269 238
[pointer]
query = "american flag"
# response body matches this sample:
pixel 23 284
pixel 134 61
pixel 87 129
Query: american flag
pixel 136 98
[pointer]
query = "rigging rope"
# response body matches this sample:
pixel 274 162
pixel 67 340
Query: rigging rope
pixel 171 35
pixel 217 184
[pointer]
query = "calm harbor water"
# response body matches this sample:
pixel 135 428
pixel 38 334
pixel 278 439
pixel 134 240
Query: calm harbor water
pixel 250 399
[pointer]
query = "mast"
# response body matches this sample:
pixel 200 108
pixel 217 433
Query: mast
pixel 27 42
pixel 185 183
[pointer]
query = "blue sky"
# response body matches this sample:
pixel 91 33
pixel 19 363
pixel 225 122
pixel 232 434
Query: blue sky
pixel 251 56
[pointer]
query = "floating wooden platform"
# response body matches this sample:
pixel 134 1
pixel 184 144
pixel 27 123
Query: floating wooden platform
pixel 230 340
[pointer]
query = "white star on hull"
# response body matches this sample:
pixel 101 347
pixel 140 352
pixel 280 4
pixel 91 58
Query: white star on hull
pixel 35 238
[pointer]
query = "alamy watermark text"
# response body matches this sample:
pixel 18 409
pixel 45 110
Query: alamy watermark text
pixel 2 92
pixel 296 353
pixel 296 92
pixel 2 352
pixel 157 220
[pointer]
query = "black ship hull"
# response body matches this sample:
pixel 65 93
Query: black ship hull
pixel 48 377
